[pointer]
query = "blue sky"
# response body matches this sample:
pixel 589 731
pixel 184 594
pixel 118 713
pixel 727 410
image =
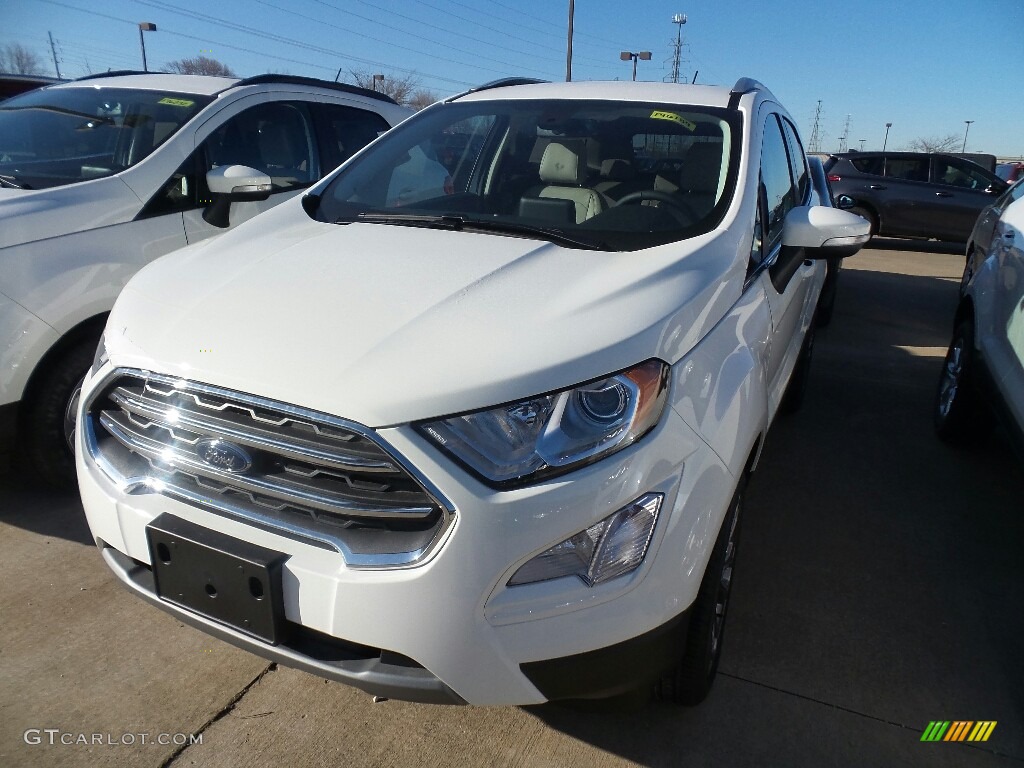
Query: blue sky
pixel 926 66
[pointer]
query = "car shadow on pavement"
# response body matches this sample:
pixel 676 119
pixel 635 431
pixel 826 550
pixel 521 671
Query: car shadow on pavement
pixel 918 246
pixel 34 507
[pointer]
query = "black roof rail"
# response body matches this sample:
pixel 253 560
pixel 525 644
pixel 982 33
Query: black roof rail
pixel 313 81
pixel 746 85
pixel 116 73
pixel 499 83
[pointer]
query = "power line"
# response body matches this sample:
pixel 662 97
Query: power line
pixel 169 8
pixel 558 34
pixel 461 36
pixel 222 44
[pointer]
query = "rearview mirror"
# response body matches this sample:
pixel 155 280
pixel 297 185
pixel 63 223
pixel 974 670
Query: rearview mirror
pixel 823 232
pixel 230 184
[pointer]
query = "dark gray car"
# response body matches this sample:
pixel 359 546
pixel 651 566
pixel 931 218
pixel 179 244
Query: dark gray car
pixel 914 194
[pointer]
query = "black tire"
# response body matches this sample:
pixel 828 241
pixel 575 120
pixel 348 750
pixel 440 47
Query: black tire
pixel 959 414
pixel 796 390
pixel 689 683
pixel 870 216
pixel 45 433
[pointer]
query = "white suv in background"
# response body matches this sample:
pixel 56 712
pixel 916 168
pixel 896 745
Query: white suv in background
pixel 480 438
pixel 101 175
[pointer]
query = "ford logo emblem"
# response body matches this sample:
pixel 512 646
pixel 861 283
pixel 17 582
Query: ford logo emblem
pixel 224 456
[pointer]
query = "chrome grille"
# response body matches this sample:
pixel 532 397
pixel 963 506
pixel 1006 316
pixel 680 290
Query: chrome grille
pixel 303 473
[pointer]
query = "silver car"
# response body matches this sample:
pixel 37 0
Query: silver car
pixel 983 375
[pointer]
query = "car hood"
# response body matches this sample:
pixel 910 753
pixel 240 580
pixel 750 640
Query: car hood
pixel 28 215
pixel 386 324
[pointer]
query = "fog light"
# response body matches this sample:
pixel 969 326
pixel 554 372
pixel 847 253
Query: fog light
pixel 610 548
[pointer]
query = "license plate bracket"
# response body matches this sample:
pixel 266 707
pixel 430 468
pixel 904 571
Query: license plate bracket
pixel 225 579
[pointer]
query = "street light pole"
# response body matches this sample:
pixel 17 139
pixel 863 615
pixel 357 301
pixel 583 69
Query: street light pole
pixel 145 26
pixel 568 47
pixel 627 55
pixel 965 134
pixel 886 142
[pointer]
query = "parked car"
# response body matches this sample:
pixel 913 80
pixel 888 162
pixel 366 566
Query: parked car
pixel 487 444
pixel 914 194
pixel 12 85
pixel 101 175
pixel 1010 172
pixel 979 245
pixel 983 374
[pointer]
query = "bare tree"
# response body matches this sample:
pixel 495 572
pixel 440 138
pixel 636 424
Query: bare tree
pixel 401 88
pixel 200 65
pixel 19 60
pixel 421 99
pixel 934 143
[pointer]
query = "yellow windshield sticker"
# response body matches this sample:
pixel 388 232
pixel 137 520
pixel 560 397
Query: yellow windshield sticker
pixel 176 102
pixel 656 115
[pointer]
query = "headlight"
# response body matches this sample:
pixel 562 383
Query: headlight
pixel 551 434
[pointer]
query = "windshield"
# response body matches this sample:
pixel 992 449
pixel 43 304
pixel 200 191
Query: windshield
pixel 598 174
pixel 56 136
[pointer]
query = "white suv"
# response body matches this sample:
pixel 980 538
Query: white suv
pixel 482 438
pixel 102 175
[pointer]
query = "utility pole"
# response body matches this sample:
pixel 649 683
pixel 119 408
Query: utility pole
pixel 679 19
pixel 568 47
pixel 844 140
pixel 53 50
pixel 814 145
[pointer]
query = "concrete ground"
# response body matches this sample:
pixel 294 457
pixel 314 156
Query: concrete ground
pixel 880 586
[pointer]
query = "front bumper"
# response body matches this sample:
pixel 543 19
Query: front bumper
pixel 450 629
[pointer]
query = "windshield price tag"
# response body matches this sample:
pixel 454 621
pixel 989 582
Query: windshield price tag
pixel 688 125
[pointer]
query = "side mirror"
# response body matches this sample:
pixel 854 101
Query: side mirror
pixel 824 233
pixel 233 183
pixel 845 202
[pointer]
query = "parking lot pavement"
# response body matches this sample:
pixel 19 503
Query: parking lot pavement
pixel 880 586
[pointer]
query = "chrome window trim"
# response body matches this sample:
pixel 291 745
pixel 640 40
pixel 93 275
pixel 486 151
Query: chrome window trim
pixel 146 484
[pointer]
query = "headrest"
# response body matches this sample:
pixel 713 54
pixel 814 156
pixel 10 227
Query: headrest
pixel 561 164
pixel 614 169
pixel 702 167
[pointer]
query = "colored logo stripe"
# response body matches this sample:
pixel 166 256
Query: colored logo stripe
pixel 958 730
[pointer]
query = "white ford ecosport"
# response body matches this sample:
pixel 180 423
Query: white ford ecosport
pixel 100 176
pixel 479 436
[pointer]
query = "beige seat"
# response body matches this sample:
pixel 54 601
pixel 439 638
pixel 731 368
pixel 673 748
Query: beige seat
pixel 563 170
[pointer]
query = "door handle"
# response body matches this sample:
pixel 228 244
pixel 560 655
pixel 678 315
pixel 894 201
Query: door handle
pixel 943 194
pixel 877 186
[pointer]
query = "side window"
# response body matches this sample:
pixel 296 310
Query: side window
pixel 959 173
pixel 797 162
pixel 343 131
pixel 870 165
pixel 756 244
pixel 775 175
pixel 275 137
pixel 907 168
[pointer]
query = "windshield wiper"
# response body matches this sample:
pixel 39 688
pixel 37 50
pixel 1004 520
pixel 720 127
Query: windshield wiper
pixel 12 182
pixel 460 224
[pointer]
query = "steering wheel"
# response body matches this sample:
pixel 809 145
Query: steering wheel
pixel 679 210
